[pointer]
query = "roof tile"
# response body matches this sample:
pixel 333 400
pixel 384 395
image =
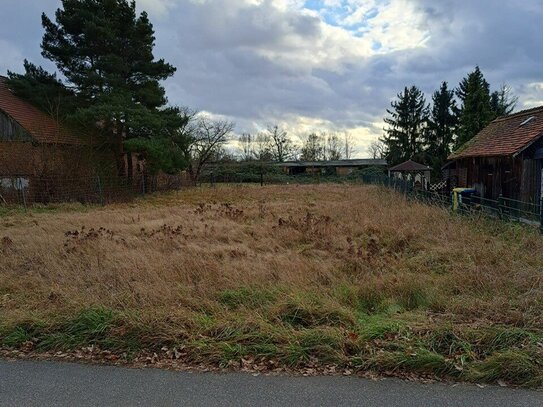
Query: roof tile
pixel 504 136
pixel 42 127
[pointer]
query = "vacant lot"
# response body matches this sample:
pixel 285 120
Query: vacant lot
pixel 330 275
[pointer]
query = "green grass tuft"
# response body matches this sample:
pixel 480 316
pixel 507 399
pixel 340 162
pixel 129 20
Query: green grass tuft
pixel 90 326
pixel 378 327
pixel 512 366
pixel 16 337
pixel 304 315
pixel 246 296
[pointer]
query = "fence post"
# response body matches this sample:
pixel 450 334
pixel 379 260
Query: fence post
pixel 501 206
pixel 100 192
pixel 22 188
pixel 143 183
pixel 541 215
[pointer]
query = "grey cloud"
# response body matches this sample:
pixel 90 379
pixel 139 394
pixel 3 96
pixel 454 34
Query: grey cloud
pixel 256 64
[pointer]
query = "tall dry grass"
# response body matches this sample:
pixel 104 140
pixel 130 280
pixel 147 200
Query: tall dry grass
pixel 231 270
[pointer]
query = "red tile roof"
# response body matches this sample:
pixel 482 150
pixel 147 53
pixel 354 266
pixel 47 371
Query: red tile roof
pixel 42 127
pixel 409 166
pixel 505 136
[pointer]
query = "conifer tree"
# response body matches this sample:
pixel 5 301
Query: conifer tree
pixel 406 126
pixel 475 111
pixel 104 50
pixel 441 127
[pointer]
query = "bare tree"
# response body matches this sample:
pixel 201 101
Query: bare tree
pixel 333 150
pixel 313 148
pixel 262 147
pixel 246 143
pixel 281 145
pixel 349 149
pixel 190 124
pixel 377 149
pixel 503 101
pixel 208 138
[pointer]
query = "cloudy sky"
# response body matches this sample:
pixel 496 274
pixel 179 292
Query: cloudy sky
pixel 319 64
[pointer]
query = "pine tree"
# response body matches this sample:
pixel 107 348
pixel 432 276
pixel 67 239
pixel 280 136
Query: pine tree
pixel 441 127
pixel 475 111
pixel 104 50
pixel 44 90
pixel 406 126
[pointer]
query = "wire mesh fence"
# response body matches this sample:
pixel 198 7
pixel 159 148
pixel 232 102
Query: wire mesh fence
pixel 501 208
pixel 26 191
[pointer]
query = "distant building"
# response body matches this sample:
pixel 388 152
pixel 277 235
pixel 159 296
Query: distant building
pixel 336 167
pixel 505 158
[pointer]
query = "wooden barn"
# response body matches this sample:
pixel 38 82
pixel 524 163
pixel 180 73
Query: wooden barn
pixel 36 151
pixel 505 158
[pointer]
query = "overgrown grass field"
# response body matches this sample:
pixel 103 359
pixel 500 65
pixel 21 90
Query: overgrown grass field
pixel 353 277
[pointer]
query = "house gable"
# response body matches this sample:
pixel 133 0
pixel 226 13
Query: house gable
pixel 10 130
pixel 41 127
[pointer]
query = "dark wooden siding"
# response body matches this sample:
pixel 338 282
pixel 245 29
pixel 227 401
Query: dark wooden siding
pixel 10 130
pixel 512 177
pixel 528 181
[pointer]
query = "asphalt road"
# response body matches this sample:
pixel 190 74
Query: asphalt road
pixel 63 384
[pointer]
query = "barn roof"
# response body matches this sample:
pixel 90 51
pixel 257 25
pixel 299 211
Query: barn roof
pixel 409 166
pixel 42 127
pixel 505 136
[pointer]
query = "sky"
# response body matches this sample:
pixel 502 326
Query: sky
pixel 318 65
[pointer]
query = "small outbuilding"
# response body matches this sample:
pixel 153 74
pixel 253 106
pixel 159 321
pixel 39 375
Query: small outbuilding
pixel 412 171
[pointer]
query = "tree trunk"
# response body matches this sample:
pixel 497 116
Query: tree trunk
pixel 194 174
pixel 129 167
pixel 119 153
pixel 119 159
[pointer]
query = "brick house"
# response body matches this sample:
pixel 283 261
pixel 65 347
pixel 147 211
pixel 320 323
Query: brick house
pixel 505 158
pixel 36 151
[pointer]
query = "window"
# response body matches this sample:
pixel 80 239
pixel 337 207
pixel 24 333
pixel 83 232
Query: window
pixel 528 120
pixel 17 183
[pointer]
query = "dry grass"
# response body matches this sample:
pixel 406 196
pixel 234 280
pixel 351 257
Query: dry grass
pixel 349 275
